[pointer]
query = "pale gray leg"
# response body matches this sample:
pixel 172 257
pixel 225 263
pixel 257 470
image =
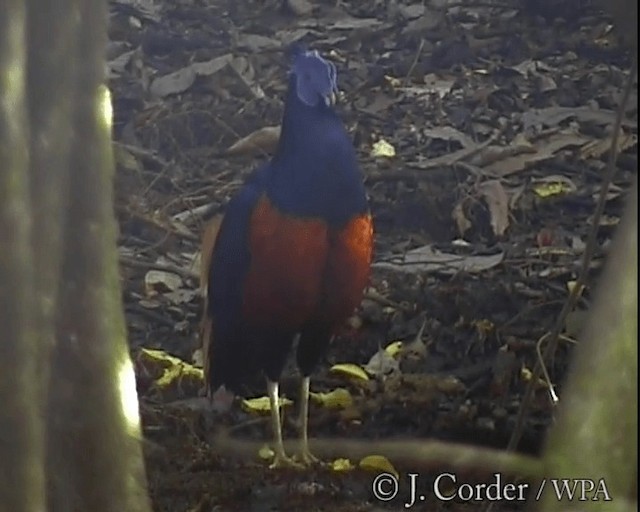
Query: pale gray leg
pixel 305 456
pixel 280 459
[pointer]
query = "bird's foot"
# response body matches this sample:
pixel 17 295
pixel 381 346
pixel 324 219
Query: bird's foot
pixel 284 462
pixel 306 458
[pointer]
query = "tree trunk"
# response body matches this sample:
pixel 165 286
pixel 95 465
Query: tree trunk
pixel 63 348
pixel 21 426
pixel 596 436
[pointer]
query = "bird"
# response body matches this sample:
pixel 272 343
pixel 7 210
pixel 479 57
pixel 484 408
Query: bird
pixel 292 254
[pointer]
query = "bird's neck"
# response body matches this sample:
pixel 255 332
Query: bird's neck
pixel 314 171
pixel 303 126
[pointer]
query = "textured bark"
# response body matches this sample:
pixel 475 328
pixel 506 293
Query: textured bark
pixel 21 426
pixel 50 85
pixel 63 351
pixel 95 448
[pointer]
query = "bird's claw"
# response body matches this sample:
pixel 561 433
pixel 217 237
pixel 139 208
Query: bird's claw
pixel 307 458
pixel 284 462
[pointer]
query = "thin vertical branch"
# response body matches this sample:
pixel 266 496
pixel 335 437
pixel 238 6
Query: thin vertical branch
pixel 590 249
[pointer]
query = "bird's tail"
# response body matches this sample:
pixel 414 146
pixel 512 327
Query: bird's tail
pixel 209 238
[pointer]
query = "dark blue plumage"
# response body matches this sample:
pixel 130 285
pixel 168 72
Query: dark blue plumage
pixel 293 252
pixel 330 184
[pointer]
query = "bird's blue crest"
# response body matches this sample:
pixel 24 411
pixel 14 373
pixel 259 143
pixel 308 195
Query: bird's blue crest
pixel 316 78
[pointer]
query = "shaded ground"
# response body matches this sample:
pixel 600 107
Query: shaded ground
pixel 499 119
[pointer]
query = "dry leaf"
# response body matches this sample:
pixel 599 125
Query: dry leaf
pixel 264 140
pixel 378 464
pixel 544 149
pixel 179 81
pixel 350 370
pixel 553 116
pixel 462 222
pixel 243 68
pixel 552 185
pixel 351 23
pixel 449 133
pixel 416 349
pixel 498 204
pixel 300 7
pixel 159 281
pixel 394 348
pixel 341 465
pixel 262 405
pixel 339 398
pixel 383 149
pixel 257 43
pixel 167 374
pixel 381 364
pixel 429 259
pixel 597 148
pixel 266 453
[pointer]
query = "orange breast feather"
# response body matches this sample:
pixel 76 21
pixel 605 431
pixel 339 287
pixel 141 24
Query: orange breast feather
pixel 288 257
pixel 348 268
pixel 302 271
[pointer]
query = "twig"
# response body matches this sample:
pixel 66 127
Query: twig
pixel 165 267
pixel 414 63
pixel 587 256
pixel 416 454
pixel 170 229
pixel 197 212
pixel 143 153
pixel 384 301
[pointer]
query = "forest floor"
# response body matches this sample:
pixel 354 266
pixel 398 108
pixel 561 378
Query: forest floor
pixel 482 133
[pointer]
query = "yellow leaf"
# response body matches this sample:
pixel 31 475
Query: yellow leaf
pixel 170 369
pixel 527 375
pixel 160 356
pixel 573 284
pixel 261 405
pixel 182 371
pixel 339 398
pixel 551 188
pixel 383 149
pixel 378 464
pixel 393 348
pixel 392 81
pixel 266 453
pixel 484 326
pixel 350 370
pixel 341 465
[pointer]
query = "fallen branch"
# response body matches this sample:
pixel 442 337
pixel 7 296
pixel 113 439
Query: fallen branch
pixel 416 454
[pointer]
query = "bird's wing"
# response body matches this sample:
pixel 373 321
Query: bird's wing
pixel 228 265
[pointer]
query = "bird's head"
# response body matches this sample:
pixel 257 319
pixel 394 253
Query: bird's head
pixel 315 78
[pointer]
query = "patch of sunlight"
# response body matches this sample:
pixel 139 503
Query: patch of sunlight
pixel 106 109
pixel 129 396
pixel 12 82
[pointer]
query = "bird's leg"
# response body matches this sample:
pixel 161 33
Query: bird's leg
pixel 280 459
pixel 305 456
